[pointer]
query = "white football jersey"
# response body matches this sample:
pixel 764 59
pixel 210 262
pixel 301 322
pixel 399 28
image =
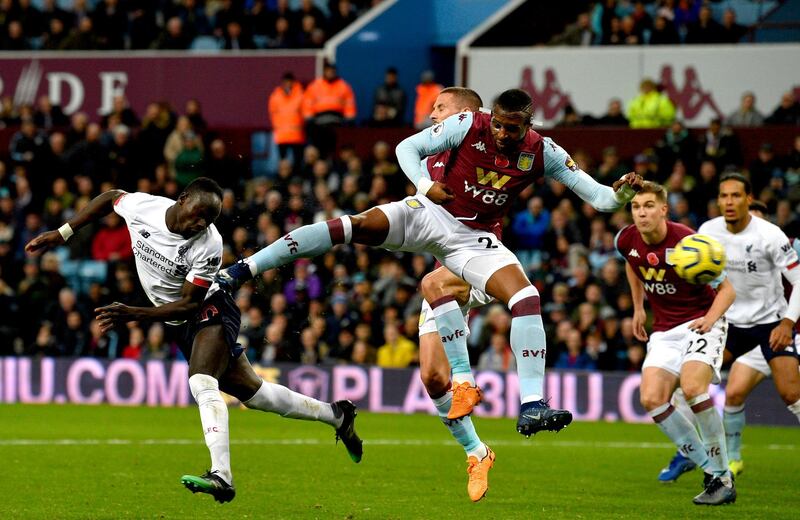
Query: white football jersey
pixel 756 258
pixel 165 260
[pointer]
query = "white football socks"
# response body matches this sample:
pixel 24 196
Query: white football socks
pixel 286 403
pixel 214 418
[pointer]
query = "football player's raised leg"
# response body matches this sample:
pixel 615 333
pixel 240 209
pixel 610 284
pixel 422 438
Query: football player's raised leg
pixel 510 285
pixel 241 381
pixel 207 363
pixel 742 379
pixel 654 393
pixel 369 228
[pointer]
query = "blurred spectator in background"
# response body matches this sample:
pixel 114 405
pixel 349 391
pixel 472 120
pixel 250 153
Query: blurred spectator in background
pixel 575 358
pixel 285 107
pixel 614 116
pixel 112 243
pixel 397 351
pixel 392 96
pixel 730 31
pixel 173 37
pixel 328 102
pixel 48 116
pixel 764 168
pixel 498 356
pixel 123 111
pixel 579 33
pixel 746 114
pixel 664 32
pixel 427 90
pixel 705 29
pixel 651 108
pixel 788 111
pixel 529 228
pixel 720 144
pixel 235 38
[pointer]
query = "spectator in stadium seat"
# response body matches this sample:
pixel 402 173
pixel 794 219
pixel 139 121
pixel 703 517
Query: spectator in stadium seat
pixel 613 116
pixel 393 97
pixel 235 38
pixel 498 356
pixel 579 33
pixel 89 157
pixel 787 112
pixel 47 115
pixel 720 144
pixel 281 36
pixel 705 29
pixel 611 167
pixel 122 109
pixel 730 31
pixel 651 108
pixel 44 344
pixel 663 32
pixel 328 102
pixel 746 114
pixel 227 170
pixel 342 15
pixel 28 145
pixel 575 358
pixel 135 346
pixel 110 24
pixel 529 228
pixel 285 107
pixel 427 91
pixel 172 37
pixel 397 351
pixel 763 168
pixel 629 32
pixel 82 37
pixel 14 39
pixel 193 17
pixel 194 111
pixel 112 243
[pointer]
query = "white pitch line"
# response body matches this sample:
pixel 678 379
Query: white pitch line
pixel 370 442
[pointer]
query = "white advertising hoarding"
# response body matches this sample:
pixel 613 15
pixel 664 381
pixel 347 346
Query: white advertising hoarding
pixel 703 81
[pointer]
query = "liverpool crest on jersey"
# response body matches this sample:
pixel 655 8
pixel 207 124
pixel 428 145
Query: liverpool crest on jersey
pixel 525 162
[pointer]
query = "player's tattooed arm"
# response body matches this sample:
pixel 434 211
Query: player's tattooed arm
pixel 192 297
pixel 97 208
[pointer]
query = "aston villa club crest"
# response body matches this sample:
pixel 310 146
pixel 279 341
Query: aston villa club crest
pixel 501 161
pixel 652 259
pixel 525 162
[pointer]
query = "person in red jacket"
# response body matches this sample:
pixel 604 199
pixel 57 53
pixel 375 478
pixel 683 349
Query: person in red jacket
pixel 285 108
pixel 328 102
pixel 112 242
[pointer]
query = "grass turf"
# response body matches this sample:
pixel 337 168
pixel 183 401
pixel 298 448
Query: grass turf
pixel 106 462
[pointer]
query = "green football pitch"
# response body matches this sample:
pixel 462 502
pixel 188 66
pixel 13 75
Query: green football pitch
pixel 103 462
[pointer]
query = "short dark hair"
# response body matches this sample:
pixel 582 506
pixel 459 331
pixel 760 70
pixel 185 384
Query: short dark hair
pixel 757 205
pixel 515 100
pixel 203 186
pixel 656 189
pixel 466 95
pixel 735 176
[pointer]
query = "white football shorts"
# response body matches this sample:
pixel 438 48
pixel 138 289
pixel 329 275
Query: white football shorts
pixel 417 225
pixel 670 349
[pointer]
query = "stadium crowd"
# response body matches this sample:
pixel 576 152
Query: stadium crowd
pixel 354 304
pixel 84 25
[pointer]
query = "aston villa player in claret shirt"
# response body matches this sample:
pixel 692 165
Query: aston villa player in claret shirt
pixel 687 343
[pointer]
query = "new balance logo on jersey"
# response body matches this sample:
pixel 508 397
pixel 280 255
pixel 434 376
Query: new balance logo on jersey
pixel 751 267
pixel 291 244
pixel 479 146
pixel 145 234
pixel 438 164
pixel 634 253
pixel 492 178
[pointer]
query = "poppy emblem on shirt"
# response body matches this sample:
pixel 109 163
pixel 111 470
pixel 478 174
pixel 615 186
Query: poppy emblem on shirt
pixel 525 162
pixel 652 259
pixel 501 161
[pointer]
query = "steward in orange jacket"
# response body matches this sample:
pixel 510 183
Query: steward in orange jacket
pixel 427 91
pixel 285 112
pixel 331 96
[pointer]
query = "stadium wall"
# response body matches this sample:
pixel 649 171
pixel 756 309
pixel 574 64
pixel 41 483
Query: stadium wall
pixel 233 90
pixel 591 396
pixel 703 81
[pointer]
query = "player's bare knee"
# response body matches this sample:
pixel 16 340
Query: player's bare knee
pixel 431 287
pixel 652 400
pixel 692 389
pixel 789 395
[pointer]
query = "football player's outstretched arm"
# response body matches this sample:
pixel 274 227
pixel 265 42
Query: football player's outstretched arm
pixel 783 255
pixel 637 295
pixel 726 294
pixel 440 137
pixel 560 166
pixel 192 297
pixel 97 208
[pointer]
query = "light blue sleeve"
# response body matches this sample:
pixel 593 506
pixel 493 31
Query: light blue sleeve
pixel 440 137
pixel 560 166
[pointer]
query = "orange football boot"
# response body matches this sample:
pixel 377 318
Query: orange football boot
pixel 478 470
pixel 465 398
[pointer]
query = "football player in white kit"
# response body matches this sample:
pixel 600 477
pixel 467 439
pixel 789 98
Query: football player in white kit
pixel 178 251
pixel 762 322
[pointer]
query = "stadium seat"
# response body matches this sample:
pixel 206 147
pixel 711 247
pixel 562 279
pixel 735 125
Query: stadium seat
pixel 205 43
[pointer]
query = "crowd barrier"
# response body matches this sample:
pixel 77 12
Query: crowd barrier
pixel 591 396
